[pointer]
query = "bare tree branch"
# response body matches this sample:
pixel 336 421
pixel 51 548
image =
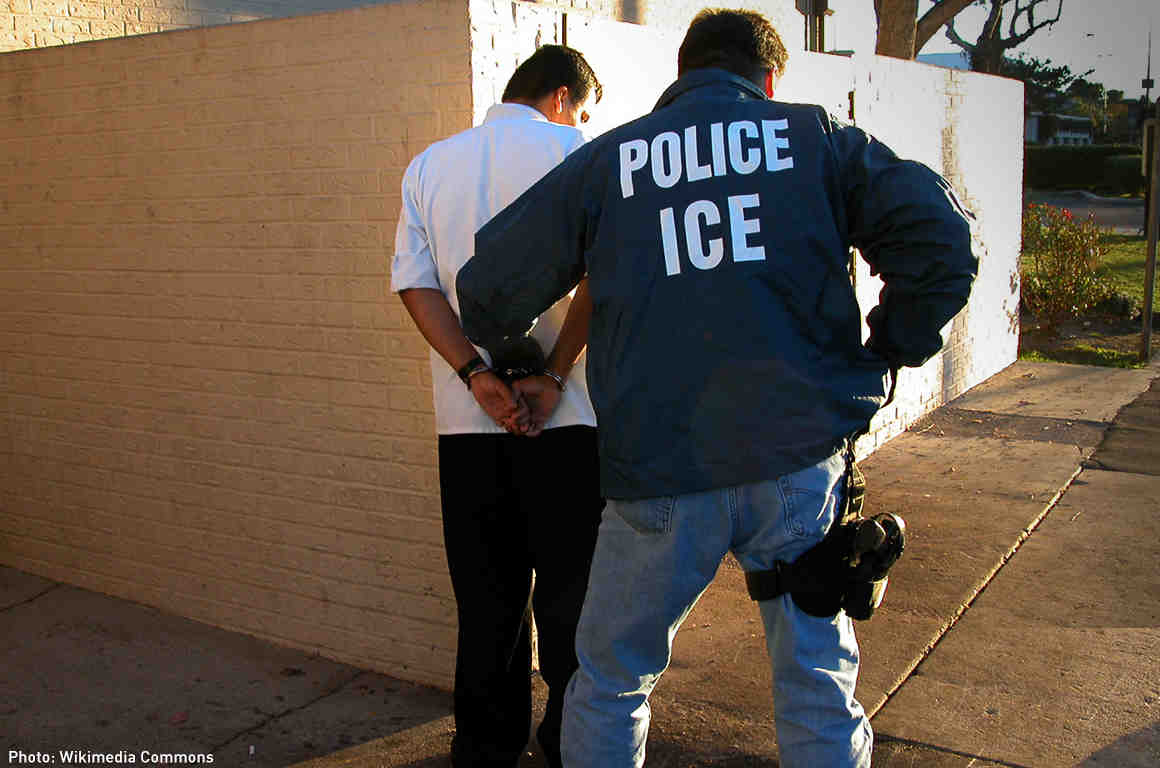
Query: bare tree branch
pixel 900 34
pixel 929 24
pixel 1015 38
pixel 994 22
pixel 990 48
pixel 954 37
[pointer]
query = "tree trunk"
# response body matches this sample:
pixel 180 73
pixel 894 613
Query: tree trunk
pixel 987 55
pixel 896 27
pixel 987 59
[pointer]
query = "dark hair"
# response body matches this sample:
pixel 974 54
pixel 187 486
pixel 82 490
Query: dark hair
pixel 547 69
pixel 741 42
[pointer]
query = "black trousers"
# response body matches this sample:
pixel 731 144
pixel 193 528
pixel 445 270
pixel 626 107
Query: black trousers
pixel 511 506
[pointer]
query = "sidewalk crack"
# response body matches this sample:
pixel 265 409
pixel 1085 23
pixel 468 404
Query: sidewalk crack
pixel 1024 535
pixel 289 711
pixel 34 598
pixel 887 739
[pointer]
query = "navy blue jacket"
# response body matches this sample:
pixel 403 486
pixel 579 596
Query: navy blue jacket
pixel 725 344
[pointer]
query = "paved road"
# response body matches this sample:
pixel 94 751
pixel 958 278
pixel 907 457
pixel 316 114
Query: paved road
pixel 1122 216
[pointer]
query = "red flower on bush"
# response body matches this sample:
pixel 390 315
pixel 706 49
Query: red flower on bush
pixel 1062 272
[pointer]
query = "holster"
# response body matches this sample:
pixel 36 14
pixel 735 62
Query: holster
pixel 846 570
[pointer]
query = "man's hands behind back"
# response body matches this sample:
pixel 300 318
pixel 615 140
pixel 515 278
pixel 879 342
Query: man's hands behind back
pixel 542 396
pixel 498 401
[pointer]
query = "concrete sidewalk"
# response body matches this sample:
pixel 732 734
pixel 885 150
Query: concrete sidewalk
pixel 1021 627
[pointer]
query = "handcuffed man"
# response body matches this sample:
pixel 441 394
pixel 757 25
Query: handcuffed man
pixel 511 504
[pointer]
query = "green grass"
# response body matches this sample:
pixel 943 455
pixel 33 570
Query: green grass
pixel 1125 260
pixel 1083 354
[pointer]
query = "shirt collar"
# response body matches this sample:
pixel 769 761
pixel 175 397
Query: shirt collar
pixel 512 111
pixel 701 78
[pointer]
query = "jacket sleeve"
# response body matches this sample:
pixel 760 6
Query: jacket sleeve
pixel 912 230
pixel 528 257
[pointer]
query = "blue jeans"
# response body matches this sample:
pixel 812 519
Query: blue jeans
pixel 654 558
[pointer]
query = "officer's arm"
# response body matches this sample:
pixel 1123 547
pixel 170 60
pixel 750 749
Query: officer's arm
pixel 528 257
pixel 573 333
pixel 912 230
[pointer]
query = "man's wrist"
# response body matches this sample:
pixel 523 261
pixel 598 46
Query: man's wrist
pixel 557 378
pixel 471 376
pixel 472 367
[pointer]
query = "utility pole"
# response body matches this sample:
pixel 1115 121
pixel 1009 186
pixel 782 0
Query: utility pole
pixel 1151 205
pixel 1149 138
pixel 1152 224
pixel 1148 82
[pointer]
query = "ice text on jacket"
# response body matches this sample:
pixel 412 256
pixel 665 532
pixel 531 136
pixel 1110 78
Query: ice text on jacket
pixel 739 147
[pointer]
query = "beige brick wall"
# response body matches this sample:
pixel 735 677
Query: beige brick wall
pixel 209 401
pixel 42 23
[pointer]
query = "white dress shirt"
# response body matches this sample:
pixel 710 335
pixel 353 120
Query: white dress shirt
pixel 450 190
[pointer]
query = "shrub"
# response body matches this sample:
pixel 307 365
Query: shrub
pixel 1069 167
pixel 1062 270
pixel 1122 174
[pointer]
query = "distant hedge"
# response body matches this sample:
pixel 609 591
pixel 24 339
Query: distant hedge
pixel 1123 173
pixel 1112 168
